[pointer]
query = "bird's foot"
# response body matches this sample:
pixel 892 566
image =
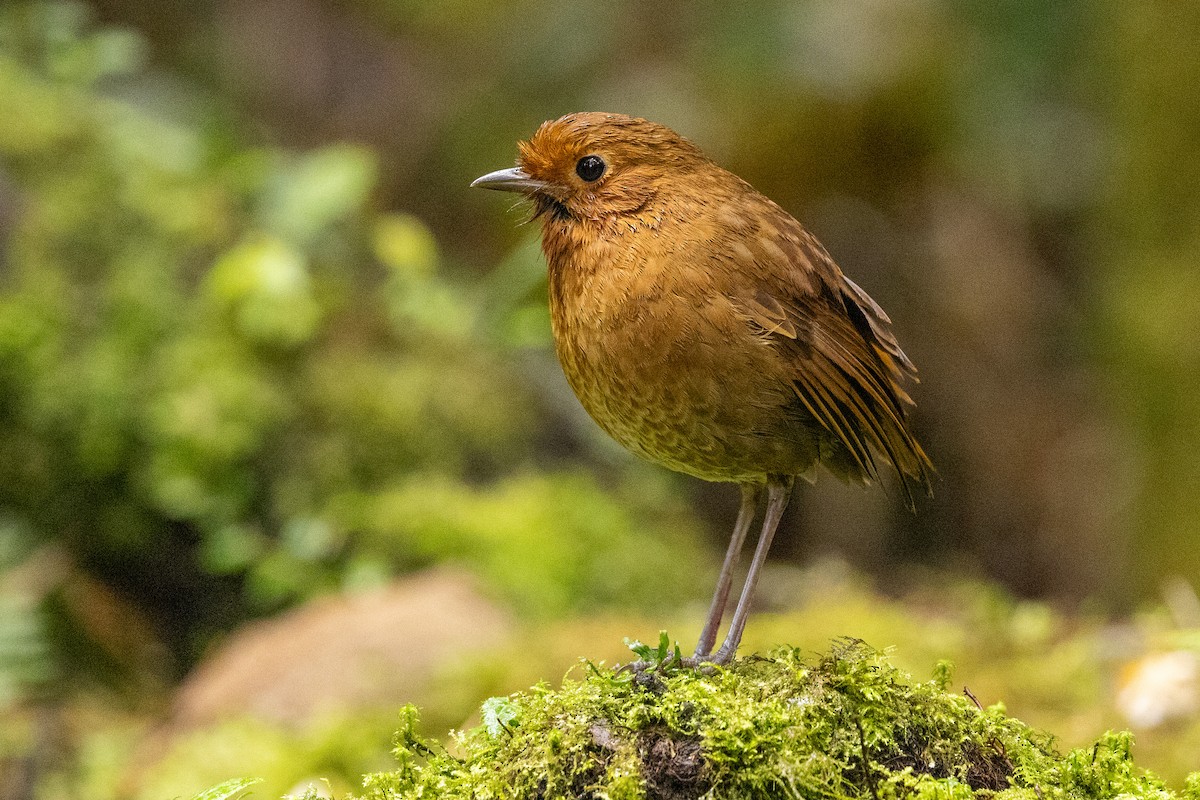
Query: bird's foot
pixel 664 659
pixel 721 658
pixel 702 664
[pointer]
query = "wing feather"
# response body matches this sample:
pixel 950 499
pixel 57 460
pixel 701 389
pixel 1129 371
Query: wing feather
pixel 847 369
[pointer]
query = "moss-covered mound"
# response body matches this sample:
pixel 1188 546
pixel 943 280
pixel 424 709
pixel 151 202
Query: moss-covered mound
pixel 845 725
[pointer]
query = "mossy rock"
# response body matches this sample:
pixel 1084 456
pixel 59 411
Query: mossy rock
pixel 845 725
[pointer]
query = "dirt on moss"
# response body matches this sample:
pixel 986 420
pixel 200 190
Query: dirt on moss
pixel 672 766
pixel 988 767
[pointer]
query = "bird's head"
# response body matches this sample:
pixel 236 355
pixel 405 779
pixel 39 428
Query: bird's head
pixel 594 165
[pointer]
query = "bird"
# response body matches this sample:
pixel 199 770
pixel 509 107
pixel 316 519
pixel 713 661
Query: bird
pixel 706 330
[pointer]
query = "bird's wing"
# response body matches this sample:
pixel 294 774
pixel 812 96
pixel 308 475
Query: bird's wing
pixel 847 368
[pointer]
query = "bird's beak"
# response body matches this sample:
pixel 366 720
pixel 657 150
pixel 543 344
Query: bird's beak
pixel 509 180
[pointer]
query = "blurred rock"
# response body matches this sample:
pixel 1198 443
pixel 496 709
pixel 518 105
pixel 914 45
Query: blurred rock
pixel 1159 688
pixel 343 653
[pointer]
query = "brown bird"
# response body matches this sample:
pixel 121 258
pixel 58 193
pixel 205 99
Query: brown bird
pixel 706 330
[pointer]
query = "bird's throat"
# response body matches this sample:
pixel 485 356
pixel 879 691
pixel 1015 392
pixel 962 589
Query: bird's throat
pixel 551 207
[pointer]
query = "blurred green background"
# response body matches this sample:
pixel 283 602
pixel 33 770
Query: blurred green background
pixel 262 353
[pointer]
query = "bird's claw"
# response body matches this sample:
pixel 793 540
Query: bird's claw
pixel 705 665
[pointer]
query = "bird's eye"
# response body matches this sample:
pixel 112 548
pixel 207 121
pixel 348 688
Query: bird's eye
pixel 590 168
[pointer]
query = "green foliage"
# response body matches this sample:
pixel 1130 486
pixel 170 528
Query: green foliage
pixel 850 725
pixel 551 544
pixel 25 659
pixel 498 713
pixel 230 382
pixel 663 657
pixel 1148 245
pixel 226 791
pixel 334 753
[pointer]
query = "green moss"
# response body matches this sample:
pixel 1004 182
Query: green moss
pixel 848 724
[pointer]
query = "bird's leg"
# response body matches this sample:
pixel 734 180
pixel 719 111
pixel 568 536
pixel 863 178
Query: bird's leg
pixel 779 488
pixel 708 637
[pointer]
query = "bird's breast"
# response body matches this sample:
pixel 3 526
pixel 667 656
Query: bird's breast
pixel 665 363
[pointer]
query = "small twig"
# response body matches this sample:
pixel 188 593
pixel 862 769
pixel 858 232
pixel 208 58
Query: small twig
pixel 419 746
pixel 1002 751
pixel 862 747
pixel 633 666
pixel 967 691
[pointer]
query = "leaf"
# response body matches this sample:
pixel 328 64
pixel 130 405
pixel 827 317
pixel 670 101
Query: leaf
pixel 406 246
pixel 499 714
pixel 266 283
pixel 317 190
pixel 639 649
pixel 227 790
pixel 663 655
